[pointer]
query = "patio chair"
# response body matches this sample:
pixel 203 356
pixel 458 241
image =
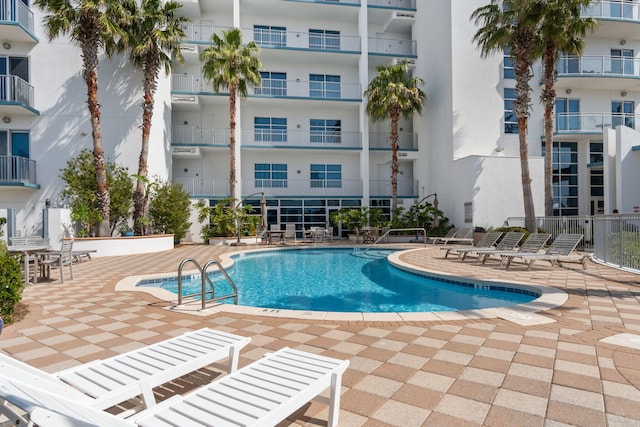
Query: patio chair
pixel 262 393
pixel 487 241
pixel 452 232
pixel 508 242
pixel 105 383
pixel 562 249
pixel 532 244
pixel 290 232
pixel 462 236
pixel 63 258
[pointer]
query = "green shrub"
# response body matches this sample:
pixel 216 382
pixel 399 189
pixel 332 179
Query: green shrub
pixel 169 210
pixel 219 220
pixel 11 283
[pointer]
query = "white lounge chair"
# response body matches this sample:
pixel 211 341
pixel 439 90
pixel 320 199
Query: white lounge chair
pixel 261 394
pixel 462 236
pixel 487 241
pixel 508 243
pixel 562 249
pixel 105 383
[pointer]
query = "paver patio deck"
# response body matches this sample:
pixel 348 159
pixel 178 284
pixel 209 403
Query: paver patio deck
pixel 581 369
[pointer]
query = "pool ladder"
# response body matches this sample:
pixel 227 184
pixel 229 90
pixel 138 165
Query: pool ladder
pixel 206 280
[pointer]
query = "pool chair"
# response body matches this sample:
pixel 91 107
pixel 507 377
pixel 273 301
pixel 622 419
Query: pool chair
pixel 290 232
pixel 261 394
pixel 104 383
pixel 532 244
pixel 463 236
pixel 450 233
pixel 508 242
pixel 562 249
pixel 62 258
pixel 487 241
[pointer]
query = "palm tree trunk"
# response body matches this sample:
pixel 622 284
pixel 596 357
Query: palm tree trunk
pixel 527 195
pixel 395 117
pixel 548 100
pixel 90 75
pixel 232 142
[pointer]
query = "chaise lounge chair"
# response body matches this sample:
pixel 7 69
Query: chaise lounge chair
pixel 487 241
pixel 562 249
pixel 105 383
pixel 462 236
pixel 261 394
pixel 533 244
pixel 508 243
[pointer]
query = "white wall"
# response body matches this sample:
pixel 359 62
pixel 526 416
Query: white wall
pixel 627 171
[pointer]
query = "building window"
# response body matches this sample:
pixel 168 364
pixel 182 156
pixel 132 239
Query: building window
pixel 326 176
pixel 622 61
pixel 270 129
pixel 596 150
pixel 273 84
pixel 623 114
pixel 508 71
pixel 510 119
pixel 567 114
pixel 565 178
pixel 269 175
pixel 325 131
pixel 265 35
pixel 324 86
pixel 14 148
pixel 324 39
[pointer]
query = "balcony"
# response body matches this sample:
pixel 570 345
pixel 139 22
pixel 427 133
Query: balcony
pixel 284 138
pixel 199 31
pixel 16 22
pixel 16 96
pixel 279 39
pixel 591 123
pixel 616 10
pixel 303 187
pixel 18 171
pixel 392 47
pixel 612 71
pixel 382 141
pixel 393 4
pixel 204 187
pixel 382 188
pixel 340 2
pixel 196 136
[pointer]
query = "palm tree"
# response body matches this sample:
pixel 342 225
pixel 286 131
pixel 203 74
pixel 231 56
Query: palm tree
pixel 229 64
pixel 563 29
pixel 513 25
pixel 154 38
pixel 391 94
pixel 92 25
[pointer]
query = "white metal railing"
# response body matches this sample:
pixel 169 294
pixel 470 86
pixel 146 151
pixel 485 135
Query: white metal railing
pixel 13 88
pixel 395 4
pixel 303 187
pixel 579 224
pixel 17 11
pixel 331 1
pixel 617 240
pixel 301 138
pixel 193 135
pixel 392 46
pixel 382 141
pixel 612 9
pixel 382 188
pixel 204 186
pixel 199 31
pixel 303 40
pixel 14 169
pixel 591 65
pixel 275 87
pixel 592 122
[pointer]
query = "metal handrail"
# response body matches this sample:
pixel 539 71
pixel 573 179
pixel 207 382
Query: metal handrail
pixel 205 279
pixel 424 232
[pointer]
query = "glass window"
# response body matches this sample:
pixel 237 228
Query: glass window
pixel 565 178
pixel 270 129
pixel 596 150
pixel 623 114
pixel 324 39
pixel 324 86
pixel 272 84
pixel 622 61
pixel 510 119
pixel 269 175
pixel 326 176
pixel 567 114
pixel 266 35
pixel 325 131
pixel 507 65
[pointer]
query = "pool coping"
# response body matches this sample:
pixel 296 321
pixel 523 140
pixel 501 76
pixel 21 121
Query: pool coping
pixel 522 314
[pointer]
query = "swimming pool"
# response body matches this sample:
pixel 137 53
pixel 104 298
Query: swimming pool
pixel 345 280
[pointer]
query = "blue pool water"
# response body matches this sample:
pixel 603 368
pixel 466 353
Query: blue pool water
pixel 345 280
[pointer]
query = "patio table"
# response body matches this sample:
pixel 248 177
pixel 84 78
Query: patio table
pixel 27 250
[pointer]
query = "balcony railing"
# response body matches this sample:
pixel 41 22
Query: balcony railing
pixel 343 2
pixel 571 123
pixel 285 138
pixel 198 187
pixel 14 89
pixel 276 88
pixel 16 11
pixel 303 187
pixel 199 31
pixel 382 188
pixel 617 240
pixel 191 135
pixel 392 47
pixel 598 65
pixel 382 141
pixel 393 4
pixel 299 40
pixel 17 170
pixel 612 9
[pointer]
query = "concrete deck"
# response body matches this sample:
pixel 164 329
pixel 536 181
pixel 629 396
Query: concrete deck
pixel 577 364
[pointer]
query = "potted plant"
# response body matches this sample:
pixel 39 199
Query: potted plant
pixel 126 230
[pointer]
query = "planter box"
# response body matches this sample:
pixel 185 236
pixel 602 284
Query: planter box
pixel 114 246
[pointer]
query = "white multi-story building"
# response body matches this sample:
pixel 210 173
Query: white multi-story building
pixel 304 138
